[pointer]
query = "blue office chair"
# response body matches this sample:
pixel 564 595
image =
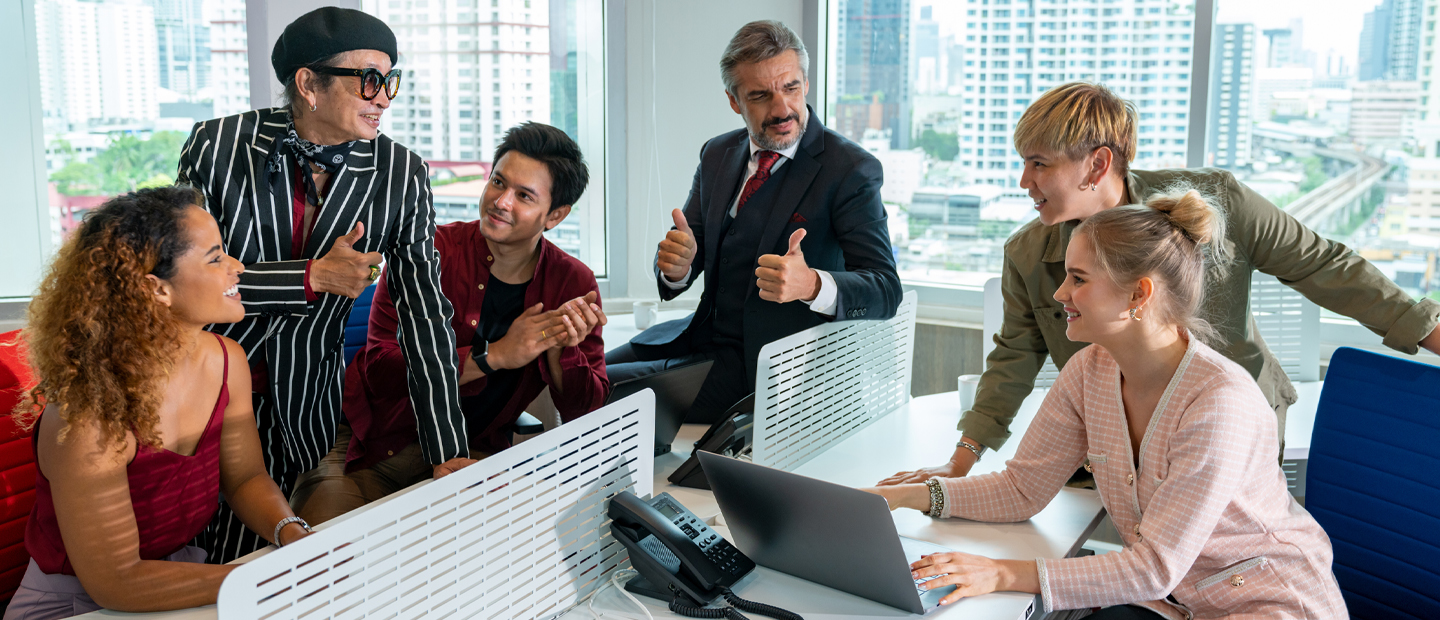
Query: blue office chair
pixel 357 326
pixel 1374 482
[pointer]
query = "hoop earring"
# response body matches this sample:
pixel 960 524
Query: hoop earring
pixel 312 107
pixel 1094 187
pixel 1132 313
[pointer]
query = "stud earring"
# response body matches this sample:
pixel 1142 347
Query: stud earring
pixel 1132 313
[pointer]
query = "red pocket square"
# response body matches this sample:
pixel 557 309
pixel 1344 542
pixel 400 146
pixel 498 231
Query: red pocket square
pixel 799 219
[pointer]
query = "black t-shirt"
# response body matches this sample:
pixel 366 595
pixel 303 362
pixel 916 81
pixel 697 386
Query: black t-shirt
pixel 504 302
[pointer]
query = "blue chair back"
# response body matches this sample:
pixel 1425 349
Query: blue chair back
pixel 357 326
pixel 1373 482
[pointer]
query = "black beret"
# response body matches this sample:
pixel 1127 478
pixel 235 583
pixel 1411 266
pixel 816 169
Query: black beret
pixel 328 31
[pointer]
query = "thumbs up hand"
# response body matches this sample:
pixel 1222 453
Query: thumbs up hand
pixel 677 250
pixel 343 271
pixel 783 279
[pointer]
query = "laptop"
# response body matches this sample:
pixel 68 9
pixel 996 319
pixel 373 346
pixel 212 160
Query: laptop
pixel 675 390
pixel 833 535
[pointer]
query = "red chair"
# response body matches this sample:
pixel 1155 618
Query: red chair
pixel 17 465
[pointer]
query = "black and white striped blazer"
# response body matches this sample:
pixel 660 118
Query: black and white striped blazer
pixel 385 186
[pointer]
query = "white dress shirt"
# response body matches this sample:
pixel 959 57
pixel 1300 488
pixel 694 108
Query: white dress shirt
pixel 828 297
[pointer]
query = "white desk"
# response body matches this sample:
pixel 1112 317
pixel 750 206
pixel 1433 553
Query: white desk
pixel 919 433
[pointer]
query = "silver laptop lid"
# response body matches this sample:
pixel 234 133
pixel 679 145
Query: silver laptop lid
pixel 827 533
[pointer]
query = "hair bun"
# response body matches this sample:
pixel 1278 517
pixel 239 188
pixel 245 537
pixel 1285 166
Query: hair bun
pixel 1191 214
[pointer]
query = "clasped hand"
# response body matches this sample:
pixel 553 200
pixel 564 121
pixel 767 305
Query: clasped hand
pixel 537 331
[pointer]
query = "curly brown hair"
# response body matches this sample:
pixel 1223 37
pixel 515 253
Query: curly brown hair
pixel 98 340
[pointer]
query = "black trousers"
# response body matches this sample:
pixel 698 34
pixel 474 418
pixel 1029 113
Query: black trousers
pixel 725 385
pixel 1125 612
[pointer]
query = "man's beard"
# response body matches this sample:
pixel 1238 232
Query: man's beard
pixel 767 143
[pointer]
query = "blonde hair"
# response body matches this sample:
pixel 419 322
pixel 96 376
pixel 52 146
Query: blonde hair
pixel 1172 238
pixel 1077 118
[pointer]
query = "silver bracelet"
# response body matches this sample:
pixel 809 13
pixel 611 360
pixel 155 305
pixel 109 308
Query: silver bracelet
pixel 979 450
pixel 287 521
pixel 937 498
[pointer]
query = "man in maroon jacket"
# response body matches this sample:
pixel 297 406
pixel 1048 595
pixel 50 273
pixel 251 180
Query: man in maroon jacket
pixel 527 317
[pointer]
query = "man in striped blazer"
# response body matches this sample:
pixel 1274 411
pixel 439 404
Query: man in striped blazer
pixel 310 198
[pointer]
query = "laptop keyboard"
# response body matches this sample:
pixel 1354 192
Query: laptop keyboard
pixel 923 580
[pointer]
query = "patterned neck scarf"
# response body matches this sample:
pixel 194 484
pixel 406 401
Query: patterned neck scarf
pixel 326 158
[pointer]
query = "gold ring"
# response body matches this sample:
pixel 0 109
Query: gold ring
pixel 374 273
pixel 542 335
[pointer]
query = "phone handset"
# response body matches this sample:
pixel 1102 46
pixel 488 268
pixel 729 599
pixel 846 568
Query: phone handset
pixel 673 550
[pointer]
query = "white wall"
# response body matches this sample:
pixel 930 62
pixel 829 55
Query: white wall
pixel 264 21
pixel 24 213
pixel 674 103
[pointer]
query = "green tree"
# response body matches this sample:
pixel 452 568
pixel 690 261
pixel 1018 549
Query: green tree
pixel 941 146
pixel 127 163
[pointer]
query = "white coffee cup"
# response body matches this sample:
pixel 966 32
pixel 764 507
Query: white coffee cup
pixel 646 313
pixel 968 385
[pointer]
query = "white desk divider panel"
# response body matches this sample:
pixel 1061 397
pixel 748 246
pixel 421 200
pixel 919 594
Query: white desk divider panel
pixel 817 387
pixel 523 534
pixel 1290 325
pixel 993 316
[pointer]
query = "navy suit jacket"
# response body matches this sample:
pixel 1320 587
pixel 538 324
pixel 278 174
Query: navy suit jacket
pixel 832 190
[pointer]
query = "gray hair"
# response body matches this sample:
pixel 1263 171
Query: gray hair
pixel 758 41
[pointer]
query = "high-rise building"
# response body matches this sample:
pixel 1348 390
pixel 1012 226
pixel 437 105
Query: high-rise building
pixel 98 62
pixel 1281 49
pixel 1374 43
pixel 1383 113
pixel 229 86
pixel 873 78
pixel 926 63
pixel 471 72
pixel 1141 49
pixel 182 34
pixel 1232 75
pixel 1404 40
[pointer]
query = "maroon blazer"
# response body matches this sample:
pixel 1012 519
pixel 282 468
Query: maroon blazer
pixel 377 397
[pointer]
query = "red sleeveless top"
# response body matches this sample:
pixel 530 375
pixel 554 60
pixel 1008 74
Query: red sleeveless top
pixel 174 496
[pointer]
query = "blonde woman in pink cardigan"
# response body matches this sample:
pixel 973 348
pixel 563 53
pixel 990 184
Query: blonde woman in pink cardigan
pixel 1180 439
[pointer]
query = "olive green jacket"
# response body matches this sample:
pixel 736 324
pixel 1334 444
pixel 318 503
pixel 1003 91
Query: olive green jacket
pixel 1259 236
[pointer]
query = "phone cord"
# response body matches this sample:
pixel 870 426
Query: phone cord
pixel 686 609
pixel 758 608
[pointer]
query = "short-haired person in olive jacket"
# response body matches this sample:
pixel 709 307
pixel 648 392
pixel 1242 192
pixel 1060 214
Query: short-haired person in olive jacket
pixel 784 223
pixel 527 318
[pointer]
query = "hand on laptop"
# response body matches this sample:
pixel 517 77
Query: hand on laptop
pixel 912 496
pixel 973 575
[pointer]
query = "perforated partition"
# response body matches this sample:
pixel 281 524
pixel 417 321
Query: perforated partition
pixel 817 387
pixel 1290 325
pixel 520 535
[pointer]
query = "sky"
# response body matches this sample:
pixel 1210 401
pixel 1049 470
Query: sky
pixel 1328 24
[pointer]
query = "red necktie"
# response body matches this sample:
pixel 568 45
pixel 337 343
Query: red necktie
pixel 767 159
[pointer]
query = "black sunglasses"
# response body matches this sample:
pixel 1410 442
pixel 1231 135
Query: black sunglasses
pixel 370 80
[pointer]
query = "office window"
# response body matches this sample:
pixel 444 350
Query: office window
pixel 1341 136
pixel 903 80
pixel 568 96
pixel 117 108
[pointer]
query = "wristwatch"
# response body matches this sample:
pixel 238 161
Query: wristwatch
pixel 287 521
pixel 479 354
pixel 978 448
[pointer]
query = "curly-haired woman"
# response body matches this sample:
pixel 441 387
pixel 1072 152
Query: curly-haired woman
pixel 141 417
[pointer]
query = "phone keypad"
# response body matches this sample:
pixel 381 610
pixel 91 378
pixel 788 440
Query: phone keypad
pixel 726 556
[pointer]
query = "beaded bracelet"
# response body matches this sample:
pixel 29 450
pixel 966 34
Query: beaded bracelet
pixel 937 498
